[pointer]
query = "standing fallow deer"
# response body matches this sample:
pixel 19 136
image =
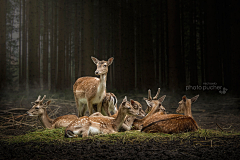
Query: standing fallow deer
pixel 85 126
pixel 173 123
pixel 92 90
pixel 39 109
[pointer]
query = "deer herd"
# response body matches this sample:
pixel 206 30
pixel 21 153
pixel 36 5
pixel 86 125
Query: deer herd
pixel 90 94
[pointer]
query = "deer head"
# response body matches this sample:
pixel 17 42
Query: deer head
pixel 102 66
pixel 138 106
pixel 155 102
pixel 185 105
pixel 38 107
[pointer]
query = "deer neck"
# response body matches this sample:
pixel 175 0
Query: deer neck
pixel 154 109
pixel 188 111
pixel 45 120
pixel 119 119
pixel 103 81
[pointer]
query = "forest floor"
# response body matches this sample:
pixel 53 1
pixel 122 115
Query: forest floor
pixel 215 112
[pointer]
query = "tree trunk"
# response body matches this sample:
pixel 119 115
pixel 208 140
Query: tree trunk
pixel 61 46
pixel 54 49
pixel 67 44
pixel 76 41
pixel 24 48
pixel 87 66
pixel 33 58
pixel 20 43
pixel 45 46
pixel 147 47
pixel 193 53
pixel 3 13
pixel 138 49
pixel 174 45
pixel 213 64
pixel 51 43
pixel 127 27
pixel 235 47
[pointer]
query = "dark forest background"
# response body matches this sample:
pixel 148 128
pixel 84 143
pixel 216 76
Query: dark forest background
pixel 172 44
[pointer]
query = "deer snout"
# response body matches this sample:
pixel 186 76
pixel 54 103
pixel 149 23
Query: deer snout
pixel 29 113
pixel 96 72
pixel 177 110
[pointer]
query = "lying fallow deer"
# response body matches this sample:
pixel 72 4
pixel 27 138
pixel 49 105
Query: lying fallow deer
pixel 128 121
pixel 150 99
pixel 133 121
pixel 39 109
pixel 92 90
pixel 173 123
pixel 86 126
pixel 154 106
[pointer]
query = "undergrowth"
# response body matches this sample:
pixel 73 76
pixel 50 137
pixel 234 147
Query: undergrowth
pixel 57 136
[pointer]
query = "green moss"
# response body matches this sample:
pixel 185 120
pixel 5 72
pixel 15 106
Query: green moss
pixel 57 136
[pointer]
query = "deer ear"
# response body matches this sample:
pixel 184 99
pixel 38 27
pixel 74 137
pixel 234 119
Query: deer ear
pixel 110 60
pixel 132 102
pixel 148 103
pixel 33 103
pixel 47 103
pixel 125 99
pixel 184 98
pixel 193 99
pixel 162 98
pixel 95 60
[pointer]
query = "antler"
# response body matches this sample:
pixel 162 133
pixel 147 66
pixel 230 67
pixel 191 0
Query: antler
pixel 43 98
pixel 149 96
pixel 38 100
pixel 157 94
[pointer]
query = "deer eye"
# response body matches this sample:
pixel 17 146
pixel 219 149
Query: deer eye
pixel 105 65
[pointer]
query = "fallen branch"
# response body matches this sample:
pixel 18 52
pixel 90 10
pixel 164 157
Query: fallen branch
pixel 14 109
pixel 17 124
pixel 219 127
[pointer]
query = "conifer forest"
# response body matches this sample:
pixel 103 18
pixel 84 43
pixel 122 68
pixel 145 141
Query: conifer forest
pixel 177 45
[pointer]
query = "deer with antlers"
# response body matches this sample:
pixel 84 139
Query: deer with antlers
pixel 85 126
pixel 133 121
pixel 92 90
pixel 154 106
pixel 39 109
pixel 173 123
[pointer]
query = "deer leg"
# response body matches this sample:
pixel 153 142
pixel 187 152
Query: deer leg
pixel 104 112
pixel 79 106
pixel 99 107
pixel 90 107
pixel 80 109
pixel 84 109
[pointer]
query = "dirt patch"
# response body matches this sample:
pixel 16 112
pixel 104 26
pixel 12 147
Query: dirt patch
pixel 214 148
